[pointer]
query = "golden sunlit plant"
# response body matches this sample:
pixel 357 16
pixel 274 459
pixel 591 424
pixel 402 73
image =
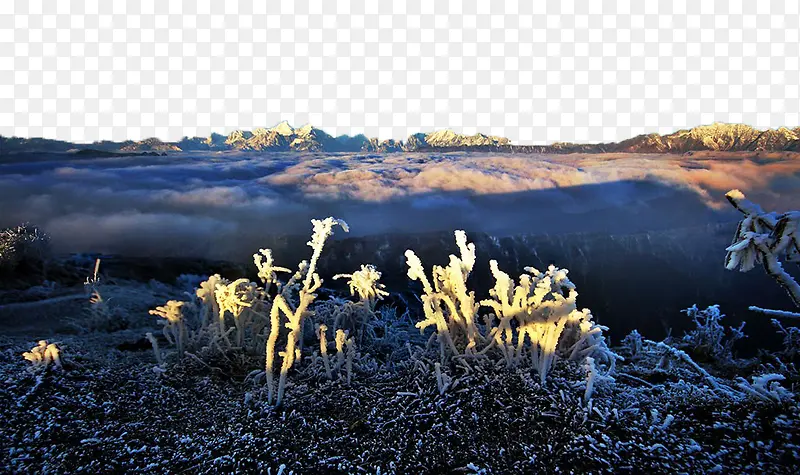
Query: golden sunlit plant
pixel 43 356
pixel 532 322
pixel 295 315
pixel 529 325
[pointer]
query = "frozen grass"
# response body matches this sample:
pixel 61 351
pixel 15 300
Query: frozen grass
pixel 709 338
pixel 530 325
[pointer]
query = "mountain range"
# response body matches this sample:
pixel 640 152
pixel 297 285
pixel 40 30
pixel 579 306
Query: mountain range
pixel 283 137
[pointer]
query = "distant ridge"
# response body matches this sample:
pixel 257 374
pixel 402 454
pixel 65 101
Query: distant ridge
pixel 283 137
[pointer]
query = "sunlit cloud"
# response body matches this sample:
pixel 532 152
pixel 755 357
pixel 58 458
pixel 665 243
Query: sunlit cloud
pixel 221 205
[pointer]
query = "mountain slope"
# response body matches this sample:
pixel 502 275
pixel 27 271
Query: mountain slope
pixel 283 137
pixel 716 137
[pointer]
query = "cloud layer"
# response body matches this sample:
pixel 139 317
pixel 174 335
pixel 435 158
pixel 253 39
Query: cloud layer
pixel 222 206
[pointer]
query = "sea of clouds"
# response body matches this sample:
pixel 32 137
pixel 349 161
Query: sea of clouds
pixel 221 205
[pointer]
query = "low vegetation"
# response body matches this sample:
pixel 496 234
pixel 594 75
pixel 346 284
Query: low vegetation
pixel 282 376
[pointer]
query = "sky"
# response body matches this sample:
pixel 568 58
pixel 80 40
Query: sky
pixel 535 72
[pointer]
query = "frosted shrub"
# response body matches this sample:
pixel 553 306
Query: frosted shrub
pixel 101 315
pixel 379 331
pixel 323 348
pixel 531 323
pixel 345 353
pixel 443 381
pixel 23 245
pixel 709 338
pixel 543 311
pixel 43 356
pixel 791 339
pixel 156 350
pixel 765 238
pixel 666 352
pixel 206 293
pixel 633 343
pixel 341 314
pixel 220 319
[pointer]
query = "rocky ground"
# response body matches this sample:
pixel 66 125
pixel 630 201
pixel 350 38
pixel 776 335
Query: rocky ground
pixel 109 410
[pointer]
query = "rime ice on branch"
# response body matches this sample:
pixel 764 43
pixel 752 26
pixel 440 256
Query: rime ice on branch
pixel 765 238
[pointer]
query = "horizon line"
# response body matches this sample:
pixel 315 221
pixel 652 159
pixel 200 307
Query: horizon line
pixel 510 142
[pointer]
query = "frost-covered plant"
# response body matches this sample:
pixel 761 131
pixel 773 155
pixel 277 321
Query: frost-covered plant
pixel 206 292
pixel 766 387
pixel 219 319
pixel 443 381
pixel 380 332
pixel 93 281
pixel 351 353
pixel 542 311
pixel 355 317
pixel 708 338
pixel 323 349
pixel 240 299
pixel 100 315
pixel 447 305
pixel 174 325
pixel 791 339
pixel 43 356
pixel 658 424
pixel 295 315
pixel 341 337
pixel 358 318
pixel 668 352
pixel 23 244
pixel 531 322
pixel 156 350
pixel 592 377
pixel 390 332
pixel 765 238
pixel 345 353
pixel 633 343
pixel 240 317
pixel 266 269
pixel 365 283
